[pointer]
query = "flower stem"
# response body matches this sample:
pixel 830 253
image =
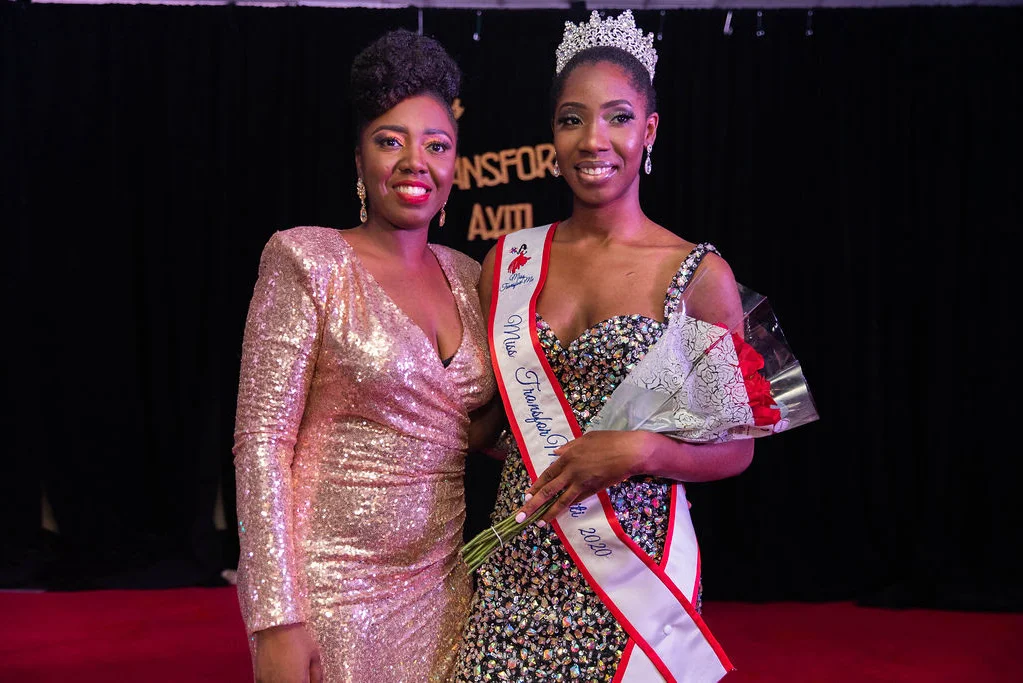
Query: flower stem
pixel 482 546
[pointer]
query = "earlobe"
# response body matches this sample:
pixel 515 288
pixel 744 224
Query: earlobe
pixel 651 128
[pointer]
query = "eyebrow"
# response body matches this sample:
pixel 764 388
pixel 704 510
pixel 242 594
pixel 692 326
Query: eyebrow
pixel 615 103
pixel 606 105
pixel 404 131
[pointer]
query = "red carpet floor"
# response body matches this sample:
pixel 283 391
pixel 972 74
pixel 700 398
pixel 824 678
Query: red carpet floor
pixel 196 635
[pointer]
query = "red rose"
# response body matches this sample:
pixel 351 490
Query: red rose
pixel 765 410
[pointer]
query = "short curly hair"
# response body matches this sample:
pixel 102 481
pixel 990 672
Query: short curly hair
pixel 398 65
pixel 639 77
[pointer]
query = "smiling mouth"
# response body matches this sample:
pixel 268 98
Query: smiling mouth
pixel 596 172
pixel 412 194
pixel 411 191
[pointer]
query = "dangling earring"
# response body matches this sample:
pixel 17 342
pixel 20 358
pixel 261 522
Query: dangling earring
pixel 557 169
pixel 360 192
pixel 443 216
pixel 648 166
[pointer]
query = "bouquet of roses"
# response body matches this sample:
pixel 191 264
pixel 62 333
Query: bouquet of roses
pixel 701 383
pixel 704 383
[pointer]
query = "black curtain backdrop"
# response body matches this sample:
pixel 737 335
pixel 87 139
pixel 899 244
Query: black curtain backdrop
pixel 866 178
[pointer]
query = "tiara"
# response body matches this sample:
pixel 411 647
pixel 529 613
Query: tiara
pixel 620 32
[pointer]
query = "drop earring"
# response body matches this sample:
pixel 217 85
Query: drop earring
pixel 360 192
pixel 443 215
pixel 648 166
pixel 556 171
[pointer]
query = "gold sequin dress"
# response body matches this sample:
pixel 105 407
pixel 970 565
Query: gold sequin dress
pixel 534 617
pixel 350 447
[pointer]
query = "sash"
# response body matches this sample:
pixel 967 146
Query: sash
pixel 652 602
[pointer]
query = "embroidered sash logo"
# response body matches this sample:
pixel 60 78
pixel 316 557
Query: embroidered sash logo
pixel 520 259
pixel 515 278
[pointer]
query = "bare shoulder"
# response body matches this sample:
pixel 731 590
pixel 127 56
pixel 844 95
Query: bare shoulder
pixel 489 260
pixel 712 294
pixel 715 296
pixel 714 266
pixel 488 266
pixel 672 246
pixel 661 236
pixel 717 268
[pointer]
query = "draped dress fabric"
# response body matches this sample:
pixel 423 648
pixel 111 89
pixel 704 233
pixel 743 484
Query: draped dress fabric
pixel 533 616
pixel 350 445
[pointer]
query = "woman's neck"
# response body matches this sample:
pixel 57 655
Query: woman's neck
pixel 407 245
pixel 619 221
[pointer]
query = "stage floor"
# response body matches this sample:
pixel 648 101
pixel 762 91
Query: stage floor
pixel 192 635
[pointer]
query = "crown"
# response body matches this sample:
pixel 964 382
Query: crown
pixel 620 32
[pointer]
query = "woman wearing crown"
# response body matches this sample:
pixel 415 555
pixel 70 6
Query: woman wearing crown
pixel 589 591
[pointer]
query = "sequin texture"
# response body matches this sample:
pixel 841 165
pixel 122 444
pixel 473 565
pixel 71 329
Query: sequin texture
pixel 534 617
pixel 349 451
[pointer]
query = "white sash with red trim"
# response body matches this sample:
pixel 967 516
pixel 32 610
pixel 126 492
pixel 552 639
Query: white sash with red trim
pixel 653 602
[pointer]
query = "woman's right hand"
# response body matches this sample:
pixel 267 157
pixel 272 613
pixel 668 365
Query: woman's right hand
pixel 287 654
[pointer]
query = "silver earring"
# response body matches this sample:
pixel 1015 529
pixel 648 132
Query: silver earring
pixel 360 192
pixel 648 166
pixel 443 216
pixel 557 169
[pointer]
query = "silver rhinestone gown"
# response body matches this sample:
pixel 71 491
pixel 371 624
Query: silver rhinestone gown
pixel 533 616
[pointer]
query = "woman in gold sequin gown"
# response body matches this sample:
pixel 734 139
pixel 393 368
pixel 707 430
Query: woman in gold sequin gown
pixel 615 279
pixel 364 355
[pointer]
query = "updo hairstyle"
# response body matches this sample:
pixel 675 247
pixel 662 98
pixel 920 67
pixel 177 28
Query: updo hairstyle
pixel 398 65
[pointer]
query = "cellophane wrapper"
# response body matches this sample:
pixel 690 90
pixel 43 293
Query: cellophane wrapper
pixel 690 384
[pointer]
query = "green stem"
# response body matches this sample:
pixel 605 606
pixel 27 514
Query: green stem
pixel 483 545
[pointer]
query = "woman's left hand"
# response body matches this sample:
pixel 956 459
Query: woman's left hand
pixel 587 465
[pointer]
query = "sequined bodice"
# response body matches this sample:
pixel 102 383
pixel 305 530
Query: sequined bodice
pixel 593 364
pixel 534 617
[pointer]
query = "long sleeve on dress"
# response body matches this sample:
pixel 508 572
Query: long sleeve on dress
pixel 282 335
pixel 350 455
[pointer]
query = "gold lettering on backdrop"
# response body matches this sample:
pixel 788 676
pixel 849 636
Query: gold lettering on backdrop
pixel 463 169
pixel 490 161
pixel 521 155
pixel 489 223
pixel 508 158
pixel 490 169
pixel 545 157
pixel 493 168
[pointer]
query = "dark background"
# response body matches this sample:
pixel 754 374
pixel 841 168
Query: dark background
pixel 866 178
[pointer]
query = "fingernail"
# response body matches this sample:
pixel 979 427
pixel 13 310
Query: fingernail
pixel 541 523
pixel 528 497
pixel 520 518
